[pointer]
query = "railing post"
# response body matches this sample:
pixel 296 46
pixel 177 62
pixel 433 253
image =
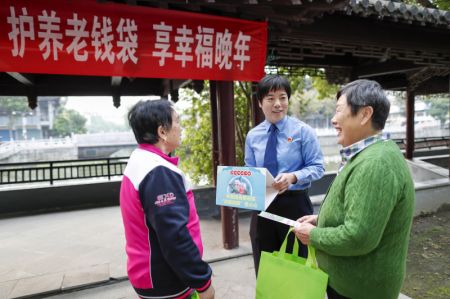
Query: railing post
pixel 51 173
pixel 108 165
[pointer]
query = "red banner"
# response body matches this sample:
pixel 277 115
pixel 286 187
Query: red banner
pixel 101 39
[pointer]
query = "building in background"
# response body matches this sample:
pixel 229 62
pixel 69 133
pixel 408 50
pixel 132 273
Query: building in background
pixel 425 125
pixel 29 125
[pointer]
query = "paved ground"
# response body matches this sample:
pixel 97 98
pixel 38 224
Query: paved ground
pixel 229 277
pixel 60 251
pixel 56 255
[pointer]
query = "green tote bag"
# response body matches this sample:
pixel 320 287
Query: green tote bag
pixel 284 275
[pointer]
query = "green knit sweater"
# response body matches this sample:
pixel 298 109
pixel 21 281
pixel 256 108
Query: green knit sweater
pixel 364 223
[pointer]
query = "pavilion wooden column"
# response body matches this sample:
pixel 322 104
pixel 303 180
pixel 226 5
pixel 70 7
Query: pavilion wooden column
pixel 214 128
pixel 227 156
pixel 257 115
pixel 409 124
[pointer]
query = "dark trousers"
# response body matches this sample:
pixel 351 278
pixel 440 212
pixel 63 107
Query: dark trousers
pixel 332 294
pixel 268 235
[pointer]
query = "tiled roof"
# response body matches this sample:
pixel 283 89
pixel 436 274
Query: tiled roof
pixel 399 12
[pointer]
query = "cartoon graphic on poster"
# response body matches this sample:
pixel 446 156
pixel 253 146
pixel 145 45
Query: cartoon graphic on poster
pixel 240 185
pixel 244 187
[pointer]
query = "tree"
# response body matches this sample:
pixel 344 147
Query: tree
pixel 325 90
pixel 315 100
pixel 69 121
pixel 242 107
pixel 13 108
pixel 439 107
pixel 98 124
pixel 13 104
pixel 196 147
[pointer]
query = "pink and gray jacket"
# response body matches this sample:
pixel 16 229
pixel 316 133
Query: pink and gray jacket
pixel 162 230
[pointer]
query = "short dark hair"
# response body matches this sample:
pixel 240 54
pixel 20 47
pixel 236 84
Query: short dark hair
pixel 272 83
pixel 364 92
pixel 146 116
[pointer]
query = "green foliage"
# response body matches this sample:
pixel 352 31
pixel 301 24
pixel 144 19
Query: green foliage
pixel 440 4
pixel 439 107
pixel 13 104
pixel 242 107
pixel 325 89
pixel 308 91
pixel 14 108
pixel 298 102
pixel 98 124
pixel 196 147
pixel 69 121
pixel 317 97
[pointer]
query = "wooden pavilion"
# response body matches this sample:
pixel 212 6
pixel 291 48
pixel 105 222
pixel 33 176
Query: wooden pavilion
pixel 403 47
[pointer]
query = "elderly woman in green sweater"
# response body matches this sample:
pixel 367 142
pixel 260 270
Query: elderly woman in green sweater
pixel 362 231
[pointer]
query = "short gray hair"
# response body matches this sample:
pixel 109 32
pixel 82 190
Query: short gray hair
pixel 364 92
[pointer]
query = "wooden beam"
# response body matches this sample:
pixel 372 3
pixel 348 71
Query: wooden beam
pixel 392 82
pixel 434 85
pixel 68 85
pixel 116 81
pixel 386 68
pixel 425 74
pixel 24 79
pixel 319 62
pixel 345 29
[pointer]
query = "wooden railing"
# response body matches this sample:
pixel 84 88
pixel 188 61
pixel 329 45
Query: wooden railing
pixel 428 142
pixel 51 171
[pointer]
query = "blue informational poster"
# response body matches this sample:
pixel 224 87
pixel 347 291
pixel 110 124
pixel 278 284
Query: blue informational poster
pixel 244 187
